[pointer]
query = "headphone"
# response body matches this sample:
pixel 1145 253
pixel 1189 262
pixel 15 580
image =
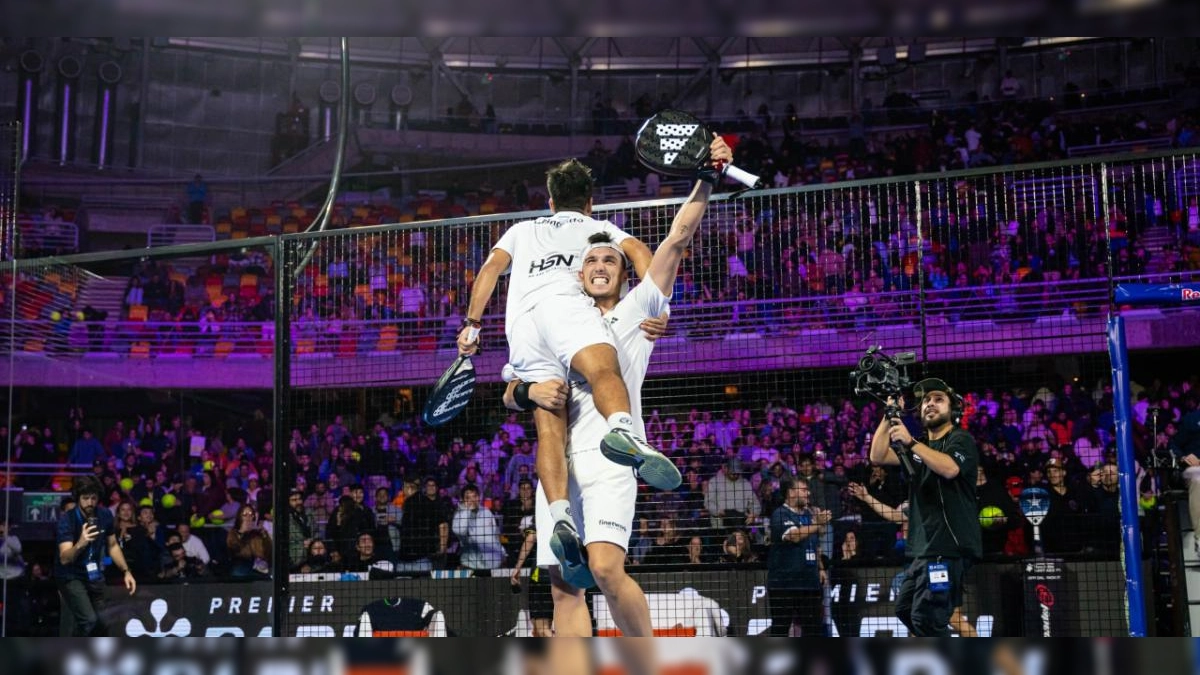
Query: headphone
pixel 937 384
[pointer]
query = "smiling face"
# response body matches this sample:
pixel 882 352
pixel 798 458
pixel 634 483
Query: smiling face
pixel 603 273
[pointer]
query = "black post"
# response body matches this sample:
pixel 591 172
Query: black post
pixel 282 460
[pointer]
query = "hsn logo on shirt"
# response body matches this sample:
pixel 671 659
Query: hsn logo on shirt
pixel 551 262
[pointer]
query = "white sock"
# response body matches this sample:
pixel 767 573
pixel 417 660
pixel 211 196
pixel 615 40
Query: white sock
pixel 620 420
pixel 561 510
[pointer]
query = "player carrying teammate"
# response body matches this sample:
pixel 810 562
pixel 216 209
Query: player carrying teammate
pixel 553 328
pixel 603 494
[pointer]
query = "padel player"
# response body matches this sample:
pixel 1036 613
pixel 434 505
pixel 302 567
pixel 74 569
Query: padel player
pixel 553 328
pixel 602 493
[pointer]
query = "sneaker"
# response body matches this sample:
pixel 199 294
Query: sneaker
pixel 572 557
pixel 627 449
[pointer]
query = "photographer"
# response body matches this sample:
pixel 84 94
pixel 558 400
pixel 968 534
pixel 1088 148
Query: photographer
pixel 84 533
pixel 1185 444
pixel 943 535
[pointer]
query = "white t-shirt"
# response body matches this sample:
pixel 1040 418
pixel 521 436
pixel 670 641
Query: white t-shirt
pixel 545 258
pixel 633 349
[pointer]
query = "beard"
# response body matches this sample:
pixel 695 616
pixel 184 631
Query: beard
pixel 935 422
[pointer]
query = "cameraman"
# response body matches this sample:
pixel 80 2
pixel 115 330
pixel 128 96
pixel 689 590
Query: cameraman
pixel 943 534
pixel 83 533
pixel 1185 444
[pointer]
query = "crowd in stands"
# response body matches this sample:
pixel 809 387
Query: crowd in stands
pixel 394 496
pixel 827 259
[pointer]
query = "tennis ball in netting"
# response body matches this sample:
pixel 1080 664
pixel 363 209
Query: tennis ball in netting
pixel 989 516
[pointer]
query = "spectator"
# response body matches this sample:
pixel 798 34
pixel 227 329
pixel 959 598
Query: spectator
pixel 730 499
pixel 181 567
pixel 736 548
pixel 249 547
pixel 86 450
pixel 365 557
pixel 318 559
pixel 12 566
pixel 193 546
pixel 348 521
pixel 1106 535
pixel 300 531
pixel 696 554
pixel 514 512
pixel 478 536
pixel 425 530
pixel 523 457
pixel 879 533
pixel 669 547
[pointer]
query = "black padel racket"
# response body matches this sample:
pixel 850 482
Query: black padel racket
pixel 675 143
pixel 453 390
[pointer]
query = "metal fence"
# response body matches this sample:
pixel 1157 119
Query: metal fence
pixel 997 280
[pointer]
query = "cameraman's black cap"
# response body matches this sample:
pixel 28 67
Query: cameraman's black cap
pixel 935 384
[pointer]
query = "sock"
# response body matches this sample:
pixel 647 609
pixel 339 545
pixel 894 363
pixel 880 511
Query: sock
pixel 561 510
pixel 620 420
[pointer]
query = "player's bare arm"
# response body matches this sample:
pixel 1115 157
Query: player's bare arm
pixel 481 293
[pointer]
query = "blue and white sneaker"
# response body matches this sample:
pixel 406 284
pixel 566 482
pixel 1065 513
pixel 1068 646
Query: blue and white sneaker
pixel 572 557
pixel 627 449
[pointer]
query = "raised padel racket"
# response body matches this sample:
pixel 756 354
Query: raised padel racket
pixel 676 143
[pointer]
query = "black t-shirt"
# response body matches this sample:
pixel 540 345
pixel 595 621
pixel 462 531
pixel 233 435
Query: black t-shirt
pixel 70 529
pixel 419 527
pixel 944 514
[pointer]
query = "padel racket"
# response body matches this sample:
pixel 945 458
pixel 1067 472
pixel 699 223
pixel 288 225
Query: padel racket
pixel 452 392
pixel 675 143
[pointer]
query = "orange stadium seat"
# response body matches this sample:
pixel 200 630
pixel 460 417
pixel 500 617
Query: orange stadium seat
pixel 140 350
pixel 223 348
pixel 138 312
pixel 389 338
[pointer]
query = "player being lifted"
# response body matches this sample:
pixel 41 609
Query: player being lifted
pixel 553 328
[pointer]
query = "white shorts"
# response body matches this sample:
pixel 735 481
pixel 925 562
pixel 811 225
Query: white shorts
pixel 603 496
pixel 543 341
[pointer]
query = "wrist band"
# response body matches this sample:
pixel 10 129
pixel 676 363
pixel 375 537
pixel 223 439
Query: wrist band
pixel 521 396
pixel 472 322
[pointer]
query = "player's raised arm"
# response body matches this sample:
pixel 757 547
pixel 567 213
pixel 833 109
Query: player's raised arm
pixel 665 264
pixel 481 292
pixel 638 254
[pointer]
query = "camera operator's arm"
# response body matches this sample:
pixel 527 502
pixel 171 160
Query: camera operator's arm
pixel 941 463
